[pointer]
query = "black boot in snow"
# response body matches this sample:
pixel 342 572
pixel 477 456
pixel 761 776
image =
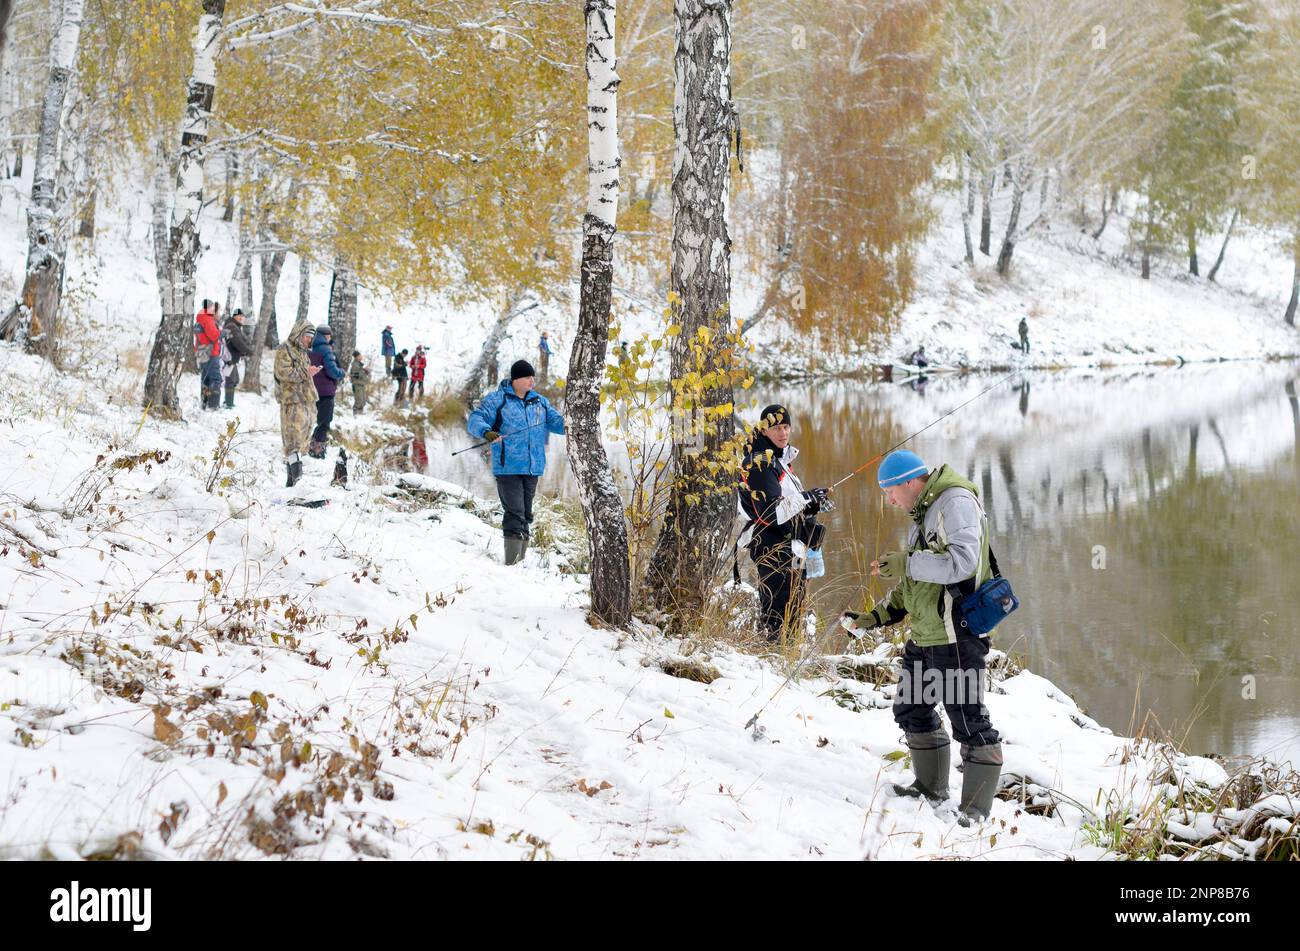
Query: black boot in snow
pixel 295 470
pixel 514 549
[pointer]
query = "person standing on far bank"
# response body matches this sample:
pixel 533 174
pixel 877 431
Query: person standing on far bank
pixel 1024 335
pixel 947 549
pixel 518 422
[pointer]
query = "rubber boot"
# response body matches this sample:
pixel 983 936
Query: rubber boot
pixel 514 549
pixel 294 467
pixel 981 767
pixel 931 760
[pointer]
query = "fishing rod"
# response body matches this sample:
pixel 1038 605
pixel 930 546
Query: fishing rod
pixel 758 731
pixel 874 459
pixel 488 442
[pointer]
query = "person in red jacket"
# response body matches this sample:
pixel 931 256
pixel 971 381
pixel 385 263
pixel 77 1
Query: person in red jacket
pixel 207 351
pixel 418 362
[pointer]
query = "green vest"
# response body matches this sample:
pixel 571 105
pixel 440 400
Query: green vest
pixel 928 604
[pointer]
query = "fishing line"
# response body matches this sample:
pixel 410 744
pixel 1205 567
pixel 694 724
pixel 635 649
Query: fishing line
pixel 872 461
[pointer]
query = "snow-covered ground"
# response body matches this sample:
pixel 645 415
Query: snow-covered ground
pixel 191 666
pixel 194 672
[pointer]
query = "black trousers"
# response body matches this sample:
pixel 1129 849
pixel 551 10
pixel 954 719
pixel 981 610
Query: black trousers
pixel 951 674
pixel 516 492
pixel 780 588
pixel 324 416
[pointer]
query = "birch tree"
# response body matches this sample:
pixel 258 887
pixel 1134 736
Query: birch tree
pixel 173 337
pixel 1269 169
pixel 602 508
pixel 38 308
pixel 1070 84
pixel 699 515
pixel 343 312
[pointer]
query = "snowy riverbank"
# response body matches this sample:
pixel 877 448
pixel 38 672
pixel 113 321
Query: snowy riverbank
pixel 188 672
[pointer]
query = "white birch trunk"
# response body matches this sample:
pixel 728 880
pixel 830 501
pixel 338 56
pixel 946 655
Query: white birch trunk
pixel 174 336
pixel 7 98
pixel 698 520
pixel 602 508
pixel 39 307
pixel 304 288
pixel 342 312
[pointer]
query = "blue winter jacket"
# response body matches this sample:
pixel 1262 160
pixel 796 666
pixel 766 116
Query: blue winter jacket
pixel 389 348
pixel 525 426
pixel 322 355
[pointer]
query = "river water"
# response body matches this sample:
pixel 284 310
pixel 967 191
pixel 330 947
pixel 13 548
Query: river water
pixel 1149 521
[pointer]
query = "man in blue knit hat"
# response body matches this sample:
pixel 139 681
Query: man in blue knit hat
pixel 947 556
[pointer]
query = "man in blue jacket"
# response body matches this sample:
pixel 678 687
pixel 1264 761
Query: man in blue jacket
pixel 517 422
pixel 327 381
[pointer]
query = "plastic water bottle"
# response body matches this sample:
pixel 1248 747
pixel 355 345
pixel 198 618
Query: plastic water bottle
pixel 815 566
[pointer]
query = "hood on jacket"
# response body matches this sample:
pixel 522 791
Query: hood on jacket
pixel 301 327
pixel 940 481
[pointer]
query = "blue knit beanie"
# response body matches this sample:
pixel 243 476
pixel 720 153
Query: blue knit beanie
pixel 900 466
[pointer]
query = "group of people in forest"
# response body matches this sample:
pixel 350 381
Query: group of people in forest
pixel 218 348
pixel 401 369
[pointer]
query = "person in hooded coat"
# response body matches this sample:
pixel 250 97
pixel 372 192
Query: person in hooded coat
pixel 327 382
pixel 296 393
pixel 517 421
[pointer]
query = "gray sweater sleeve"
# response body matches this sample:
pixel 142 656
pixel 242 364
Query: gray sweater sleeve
pixel 958 517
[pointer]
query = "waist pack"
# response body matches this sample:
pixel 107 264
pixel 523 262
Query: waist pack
pixel 980 611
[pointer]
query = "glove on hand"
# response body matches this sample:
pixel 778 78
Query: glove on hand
pixel 491 435
pixel 892 565
pixel 858 624
pixel 816 498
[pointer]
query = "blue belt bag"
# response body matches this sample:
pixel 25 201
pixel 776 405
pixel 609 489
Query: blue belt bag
pixel 980 611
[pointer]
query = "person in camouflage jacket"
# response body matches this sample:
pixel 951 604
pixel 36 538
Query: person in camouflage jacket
pixel 296 394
